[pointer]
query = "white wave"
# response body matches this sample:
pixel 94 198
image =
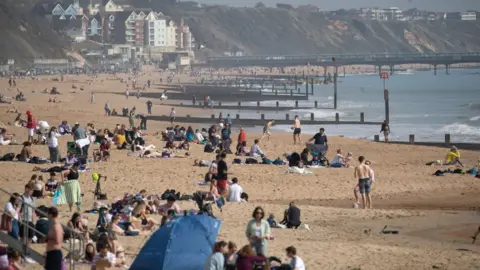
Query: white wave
pixel 319 114
pixel 475 118
pixel 330 98
pixel 460 129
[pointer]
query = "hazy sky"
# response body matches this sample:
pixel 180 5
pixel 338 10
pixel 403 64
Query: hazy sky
pixel 432 5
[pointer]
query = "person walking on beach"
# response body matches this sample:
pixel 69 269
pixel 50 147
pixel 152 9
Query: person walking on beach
pixel 363 174
pixel 54 257
pixel 266 129
pixel 92 98
pixel 107 109
pixel 172 115
pixel 31 125
pixel 127 94
pixel 386 130
pixel 131 118
pixel 296 130
pixel 356 190
pixel 149 107
pixel 258 232
pixel 229 121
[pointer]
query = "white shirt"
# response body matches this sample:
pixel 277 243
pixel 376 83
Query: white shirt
pixel 9 209
pixel 337 159
pixel 199 137
pixel 299 264
pixel 52 140
pixel 235 193
pixel 110 258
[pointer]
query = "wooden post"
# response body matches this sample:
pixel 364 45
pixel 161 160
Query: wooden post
pixel 335 75
pixel 376 138
pixel 447 139
pixel 316 104
pixel 213 116
pixel 362 117
pixel 411 139
pixel 239 104
pixel 258 104
pixel 263 116
pixel 238 116
pixel 387 107
pixel 337 117
pixel 287 117
pixel 296 104
pixel 277 104
pixel 291 92
pixel 312 117
pixel 306 87
pixel 220 104
pixel 188 116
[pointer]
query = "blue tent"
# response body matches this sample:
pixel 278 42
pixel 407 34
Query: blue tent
pixel 182 244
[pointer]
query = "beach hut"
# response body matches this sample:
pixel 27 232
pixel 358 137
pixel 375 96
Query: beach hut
pixel 182 244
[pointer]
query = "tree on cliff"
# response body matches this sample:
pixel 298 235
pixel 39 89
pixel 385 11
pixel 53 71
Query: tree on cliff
pixel 260 5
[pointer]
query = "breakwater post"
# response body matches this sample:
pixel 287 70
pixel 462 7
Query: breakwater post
pixel 362 117
pixel 311 86
pixel 335 76
pixel 306 87
pixel 387 108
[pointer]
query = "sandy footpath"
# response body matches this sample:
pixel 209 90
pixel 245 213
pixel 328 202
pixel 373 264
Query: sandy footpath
pixel 428 237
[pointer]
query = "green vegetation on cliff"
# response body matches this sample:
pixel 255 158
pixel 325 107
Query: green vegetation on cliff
pixel 277 31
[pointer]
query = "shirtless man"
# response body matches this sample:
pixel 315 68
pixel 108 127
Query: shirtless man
pixel 296 130
pixel 356 190
pixel 363 174
pixel 53 259
pixel 266 129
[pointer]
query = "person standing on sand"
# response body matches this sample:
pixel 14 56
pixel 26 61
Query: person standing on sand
pixel 356 190
pixel 172 115
pixel 363 174
pixel 149 107
pixel 258 232
pixel 31 125
pixel 266 129
pixel 54 257
pixel 296 130
pixel 127 94
pixel 92 98
pixel 131 118
pixel 320 144
pixel 386 130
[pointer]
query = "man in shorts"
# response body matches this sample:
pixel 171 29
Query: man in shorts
pixel 31 125
pixel 386 130
pixel 266 129
pixel 356 190
pixel 296 130
pixel 363 174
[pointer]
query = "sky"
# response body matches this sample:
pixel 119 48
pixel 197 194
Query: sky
pixel 430 5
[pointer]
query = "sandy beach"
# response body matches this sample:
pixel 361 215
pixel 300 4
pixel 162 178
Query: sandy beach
pixel 435 216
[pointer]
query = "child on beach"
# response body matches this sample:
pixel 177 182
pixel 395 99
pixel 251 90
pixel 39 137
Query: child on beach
pixel 356 190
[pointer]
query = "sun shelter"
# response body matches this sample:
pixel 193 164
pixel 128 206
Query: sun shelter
pixel 182 244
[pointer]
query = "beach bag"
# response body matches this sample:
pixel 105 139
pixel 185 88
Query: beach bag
pixel 56 196
pixel 237 161
pixel 251 161
pixel 6 223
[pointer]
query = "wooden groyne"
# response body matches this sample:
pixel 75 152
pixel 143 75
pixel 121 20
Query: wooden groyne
pixel 446 143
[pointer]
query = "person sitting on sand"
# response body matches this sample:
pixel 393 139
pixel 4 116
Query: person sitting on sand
pixel 338 160
pixel 247 258
pixel 52 183
pixel 213 193
pixel 120 140
pixel 255 150
pixel 4 138
pixel 170 205
pixel 202 163
pixel 304 156
pixel 199 137
pixel 64 128
pixel 242 149
pixel 291 218
pixel 26 152
pixel 453 157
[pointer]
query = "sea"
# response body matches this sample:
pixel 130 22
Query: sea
pixel 421 103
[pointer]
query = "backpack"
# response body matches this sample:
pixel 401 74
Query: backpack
pixel 8 157
pixel 251 161
pixel 208 148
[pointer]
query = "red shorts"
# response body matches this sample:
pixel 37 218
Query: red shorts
pixel 222 185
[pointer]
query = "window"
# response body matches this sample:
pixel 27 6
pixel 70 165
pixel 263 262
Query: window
pixel 152 24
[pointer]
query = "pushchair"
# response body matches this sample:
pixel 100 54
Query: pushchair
pixel 205 208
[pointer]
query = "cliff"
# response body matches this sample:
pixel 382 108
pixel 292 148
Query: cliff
pixel 273 31
pixel 25 36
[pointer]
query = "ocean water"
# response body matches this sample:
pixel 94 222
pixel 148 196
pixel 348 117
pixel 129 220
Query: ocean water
pixel 420 103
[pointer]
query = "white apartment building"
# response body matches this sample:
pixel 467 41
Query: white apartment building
pixel 171 35
pixel 389 14
pixel 468 16
pixel 155 30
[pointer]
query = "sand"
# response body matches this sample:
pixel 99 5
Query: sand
pixel 409 197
